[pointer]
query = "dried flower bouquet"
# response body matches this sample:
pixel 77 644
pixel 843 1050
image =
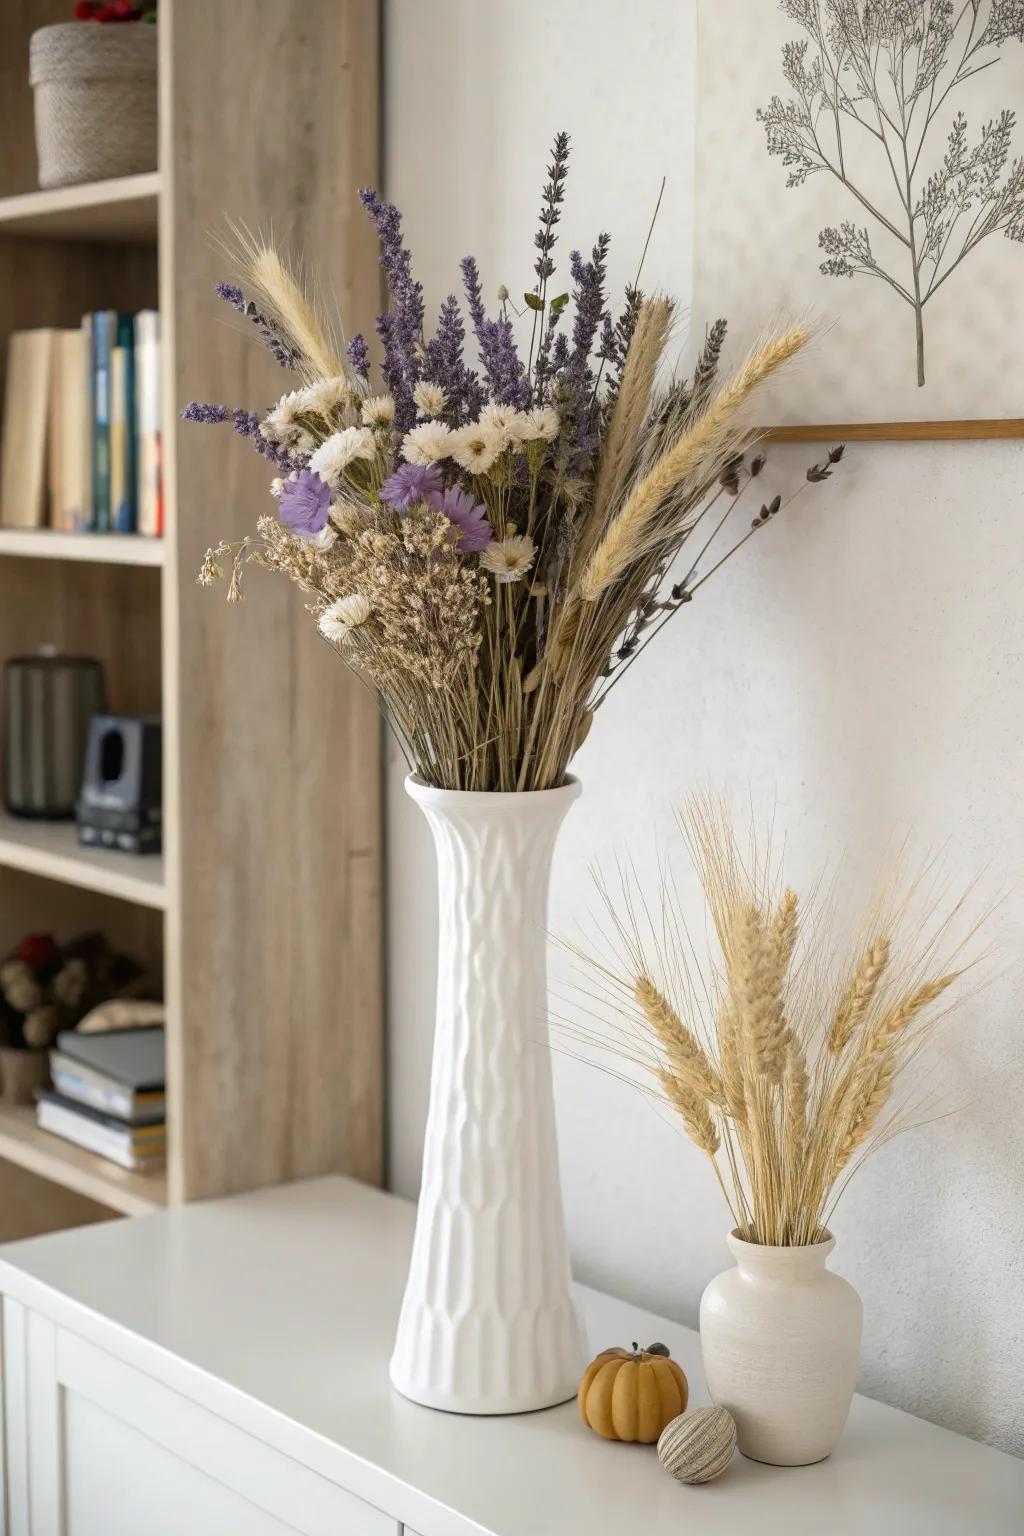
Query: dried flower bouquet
pixel 784 1067
pixel 492 551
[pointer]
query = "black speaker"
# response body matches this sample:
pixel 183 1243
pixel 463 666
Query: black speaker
pixel 48 703
pixel 120 803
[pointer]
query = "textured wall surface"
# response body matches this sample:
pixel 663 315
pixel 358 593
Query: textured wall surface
pixel 858 671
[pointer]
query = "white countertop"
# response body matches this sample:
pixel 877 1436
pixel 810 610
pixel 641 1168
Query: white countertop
pixel 276 1310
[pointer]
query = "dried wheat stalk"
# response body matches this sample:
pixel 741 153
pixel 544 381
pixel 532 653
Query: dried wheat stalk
pixel 783 1092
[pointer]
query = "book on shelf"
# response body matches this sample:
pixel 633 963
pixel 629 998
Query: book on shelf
pixel 80 445
pixel 23 444
pixel 131 1146
pixel 108 1094
pixel 68 428
pixel 132 1057
pixel 74 1080
pixel 104 332
pixel 149 490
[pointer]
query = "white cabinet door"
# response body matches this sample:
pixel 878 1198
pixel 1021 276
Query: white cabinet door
pixel 110 1451
pixel 118 1482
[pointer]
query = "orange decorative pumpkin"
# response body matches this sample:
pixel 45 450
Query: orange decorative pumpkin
pixel 632 1395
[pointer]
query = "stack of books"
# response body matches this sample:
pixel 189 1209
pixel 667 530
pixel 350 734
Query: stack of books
pixel 80 446
pixel 108 1095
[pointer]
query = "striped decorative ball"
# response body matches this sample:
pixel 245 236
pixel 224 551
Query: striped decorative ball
pixel 698 1446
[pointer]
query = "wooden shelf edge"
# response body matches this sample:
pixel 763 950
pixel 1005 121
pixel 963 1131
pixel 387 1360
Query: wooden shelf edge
pixel 23 1143
pixel 96 548
pixel 122 209
pixel 50 849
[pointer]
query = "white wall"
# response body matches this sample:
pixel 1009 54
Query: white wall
pixel 859 668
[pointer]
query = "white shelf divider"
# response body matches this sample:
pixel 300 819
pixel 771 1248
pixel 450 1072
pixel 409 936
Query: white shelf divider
pixel 96 548
pixel 51 849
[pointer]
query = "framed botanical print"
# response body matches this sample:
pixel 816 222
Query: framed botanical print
pixel 862 162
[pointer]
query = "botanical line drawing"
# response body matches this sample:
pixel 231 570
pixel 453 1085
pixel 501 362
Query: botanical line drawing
pixel 883 71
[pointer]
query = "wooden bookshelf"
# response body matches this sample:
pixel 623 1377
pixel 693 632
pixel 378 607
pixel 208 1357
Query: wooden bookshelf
pixel 119 212
pixel 120 1189
pixel 264 912
pixel 99 548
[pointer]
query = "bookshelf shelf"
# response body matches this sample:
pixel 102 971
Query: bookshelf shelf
pixel 118 212
pixel 51 849
pixel 23 1143
pixel 97 548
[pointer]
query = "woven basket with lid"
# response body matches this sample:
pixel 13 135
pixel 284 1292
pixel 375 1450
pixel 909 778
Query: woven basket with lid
pixel 95 101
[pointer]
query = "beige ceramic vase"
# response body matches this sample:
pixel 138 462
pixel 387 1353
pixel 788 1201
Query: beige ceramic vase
pixel 780 1336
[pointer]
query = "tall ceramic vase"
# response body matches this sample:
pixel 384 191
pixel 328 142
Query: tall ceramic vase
pixel 488 1323
pixel 780 1336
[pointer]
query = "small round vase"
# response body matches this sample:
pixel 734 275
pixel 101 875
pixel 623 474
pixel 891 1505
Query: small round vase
pixel 780 1336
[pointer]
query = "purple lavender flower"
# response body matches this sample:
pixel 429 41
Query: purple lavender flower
pixel 588 293
pixel 269 330
pixel 304 503
pixel 401 331
pixel 358 354
pixel 208 415
pixel 469 516
pixel 615 340
pixel 502 363
pixel 247 425
pixel 410 484
pixel 444 366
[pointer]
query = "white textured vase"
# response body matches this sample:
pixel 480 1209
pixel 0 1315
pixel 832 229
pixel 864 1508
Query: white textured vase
pixel 488 1323
pixel 780 1336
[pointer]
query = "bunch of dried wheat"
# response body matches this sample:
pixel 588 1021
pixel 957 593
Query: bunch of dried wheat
pixel 785 1069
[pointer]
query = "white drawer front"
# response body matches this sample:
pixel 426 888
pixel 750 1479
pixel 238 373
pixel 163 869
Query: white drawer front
pixel 138 1456
pixel 118 1483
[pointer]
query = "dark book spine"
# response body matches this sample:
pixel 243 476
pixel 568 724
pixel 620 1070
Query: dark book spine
pixel 104 323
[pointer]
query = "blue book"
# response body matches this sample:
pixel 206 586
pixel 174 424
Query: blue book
pixel 123 443
pixel 104 336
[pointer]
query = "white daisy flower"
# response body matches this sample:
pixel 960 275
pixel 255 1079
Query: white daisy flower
pixel 337 622
pixel 334 455
pixel 378 411
pixel 509 559
pixel 325 396
pixel 281 425
pixel 501 419
pixel 430 398
pixel 539 423
pixel 427 443
pixel 476 447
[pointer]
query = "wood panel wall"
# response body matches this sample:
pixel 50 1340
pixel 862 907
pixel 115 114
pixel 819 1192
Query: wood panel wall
pixel 270 116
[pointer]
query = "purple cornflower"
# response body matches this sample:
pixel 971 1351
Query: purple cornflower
pixel 467 515
pixel 304 503
pixel 269 330
pixel 208 415
pixel 410 484
pixel 401 331
pixel 358 354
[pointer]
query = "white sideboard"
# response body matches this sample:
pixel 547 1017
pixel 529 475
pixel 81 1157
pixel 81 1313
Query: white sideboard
pixel 221 1370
